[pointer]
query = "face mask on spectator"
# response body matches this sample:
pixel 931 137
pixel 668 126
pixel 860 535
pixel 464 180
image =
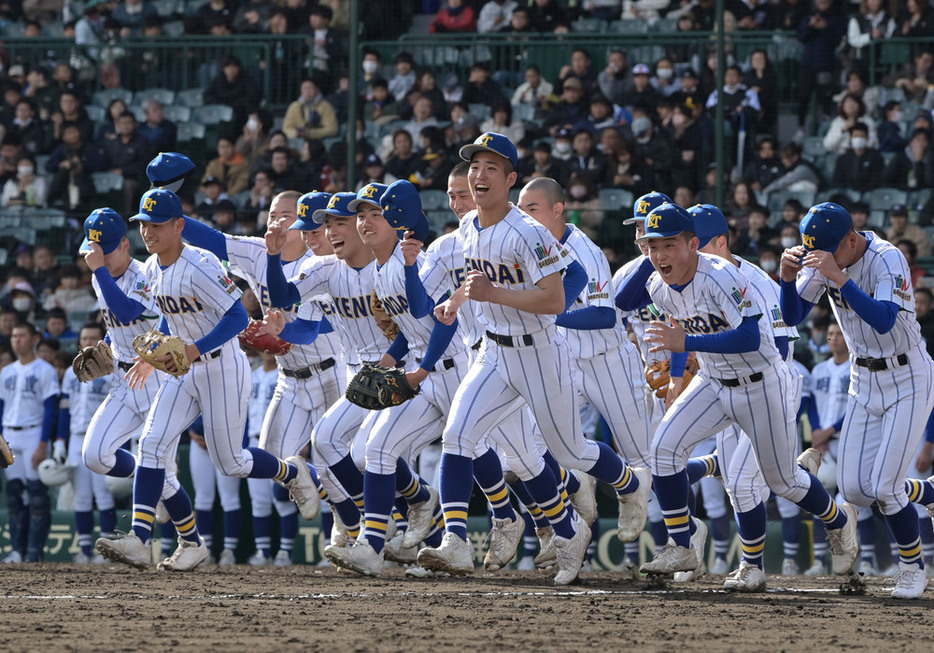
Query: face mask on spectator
pixel 897 116
pixel 859 143
pixel 370 67
pixel 25 171
pixel 578 192
pixel 563 147
pixel 665 73
pixel 22 304
pixel 768 266
pixel 788 242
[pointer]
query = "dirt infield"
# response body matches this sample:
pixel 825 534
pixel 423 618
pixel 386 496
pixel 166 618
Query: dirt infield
pixel 110 608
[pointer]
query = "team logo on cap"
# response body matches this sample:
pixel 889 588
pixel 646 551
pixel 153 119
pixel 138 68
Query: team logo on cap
pixel 809 241
pixel 149 204
pixel 653 221
pixel 94 235
pixel 485 139
pixel 369 191
pixel 332 202
pixel 302 210
pixel 643 207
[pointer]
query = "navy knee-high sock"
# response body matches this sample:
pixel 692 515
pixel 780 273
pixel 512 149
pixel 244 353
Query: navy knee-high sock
pixel 456 486
pixel 673 493
pixel 904 528
pixel 751 526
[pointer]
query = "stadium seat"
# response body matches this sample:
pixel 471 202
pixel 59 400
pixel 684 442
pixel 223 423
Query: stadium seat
pixel 629 26
pixel 193 97
pixel 523 112
pixel 177 113
pixel 829 194
pixel 190 131
pixel 163 95
pixel 213 114
pixel 434 199
pixel 96 113
pixel 480 111
pixel 173 28
pixel 882 199
pixel 616 199
pixel 588 25
pixel 104 182
pixel 166 8
pixel 108 95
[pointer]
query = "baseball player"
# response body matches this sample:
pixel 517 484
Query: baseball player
pixel 29 390
pixel 892 375
pixel 742 380
pixel 311 375
pixel 505 247
pixel 78 404
pixel 348 278
pixel 168 170
pixel 201 305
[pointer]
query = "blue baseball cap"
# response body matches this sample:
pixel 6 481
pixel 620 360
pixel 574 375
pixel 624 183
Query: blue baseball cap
pixel 666 221
pixel 339 205
pixel 168 169
pixel 709 222
pixel 106 228
pixel 825 226
pixel 369 194
pixel 402 208
pixel 492 142
pixel 644 205
pixel 159 205
pixel 306 207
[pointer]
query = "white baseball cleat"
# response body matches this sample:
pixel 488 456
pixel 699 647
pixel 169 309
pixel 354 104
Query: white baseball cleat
pixel 865 568
pixel 910 582
pixel 128 549
pixel 720 567
pixel 844 545
pixel 421 517
pixel 585 499
pixel 698 545
pixel 810 459
pixel 789 567
pixel 187 556
pixel 633 507
pixel 571 553
pixel 162 515
pixel 748 578
pixel 282 559
pixel 13 557
pixel 505 536
pixel 360 558
pixel 302 489
pixel 82 559
pixel 547 556
pixel 259 560
pixel 672 558
pixel 817 569
pixel 397 552
pixel 339 534
pixel 525 563
pixel 455 556
pixel 227 558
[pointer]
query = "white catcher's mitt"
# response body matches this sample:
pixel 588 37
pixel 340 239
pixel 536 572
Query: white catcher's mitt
pixel 93 362
pixel 154 345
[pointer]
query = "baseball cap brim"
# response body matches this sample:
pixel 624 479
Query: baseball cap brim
pixel 467 152
pixel 353 205
pixel 143 217
pixel 305 225
pixel 634 220
pixel 321 215
pixel 659 234
pixel 107 248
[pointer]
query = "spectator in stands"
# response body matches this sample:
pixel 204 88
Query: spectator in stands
pixel 563 148
pixel 769 259
pixel 851 111
pixel 426 83
pixel 549 16
pixel 859 212
pixel 512 57
pixel 685 134
pixel 752 14
pixel 251 17
pixel 910 250
pixel 234 88
pixel 33 134
pixel 404 79
pixel 543 164
pixel 665 82
pixel 23 300
pixel 587 162
pixel 628 171
pixel 890 129
pixel 71 165
pixel 654 148
pixel 373 171
pixel 501 122
pixel 285 175
pixel 762 78
pixel 684 196
pixel 600 116
pixel 789 235
pixel 453 92
pixel 210 13
pixel 254 137
pixel 924 300
pixel 339 99
pixel 868 28
pixel 481 89
pixel 858 167
pixel 421 118
pixel 131 15
pixel 766 167
pixel 495 15
pixel 108 127
pixel 43 96
pixel 741 107
pixel 583 206
pixel 641 94
pixel 45 270
pixel 436 166
pixel 327 48
pixel 372 66
pixel 916 23
pixel 56 325
pixel 742 200
pixel 160 133
pixel 214 190
pixel 310 116
pixel 913 167
pixel 914 78
pixel 402 162
pixel 614 81
pixel 224 218
pixel 127 155
pixel 857 84
pixel 901 229
pixel 756 234
pixel 820 33
pixel 11 150
pixel 454 16
pixel 230 167
pixel 287 57
pixel 262 191
pixel 71 110
pixel 381 107
pixel 536 91
pixel 465 127
pixel 26 188
pixel 580 69
pixel 570 110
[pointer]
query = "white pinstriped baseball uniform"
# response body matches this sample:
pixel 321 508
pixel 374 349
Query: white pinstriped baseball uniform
pixel 717 299
pixel 24 389
pixel 608 367
pixel 830 387
pixel 264 388
pixel 193 294
pixel 82 401
pixel 887 409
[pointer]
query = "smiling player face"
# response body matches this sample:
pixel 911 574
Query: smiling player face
pixel 674 258
pixel 283 209
pixel 488 180
pixel 317 242
pixel 343 236
pixel 459 198
pixel 163 237
pixel 372 226
pixel 640 232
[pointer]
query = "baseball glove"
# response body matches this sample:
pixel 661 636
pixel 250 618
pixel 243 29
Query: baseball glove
pixel 389 328
pixel 375 387
pixel 263 342
pixel 153 345
pixel 6 455
pixel 93 362
pixel 658 374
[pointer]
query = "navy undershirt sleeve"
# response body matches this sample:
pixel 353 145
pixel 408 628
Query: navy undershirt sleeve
pixel 282 294
pixel 48 419
pixel 399 347
pixel 441 335
pixel 878 314
pixel 233 322
pixel 743 338
pixel 126 309
pixel 632 294
pixel 301 331
pixel 420 303
pixel 205 237
pixel 794 309
pixel 588 318
pixel 575 278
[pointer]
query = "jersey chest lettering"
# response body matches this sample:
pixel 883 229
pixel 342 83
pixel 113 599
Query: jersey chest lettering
pixel 263 296
pixel 458 276
pixel 353 307
pixel 498 272
pixel 113 322
pixel 700 324
pixel 644 315
pixel 837 298
pixel 28 385
pixel 394 305
pixel 177 305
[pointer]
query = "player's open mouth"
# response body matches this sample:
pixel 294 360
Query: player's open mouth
pixel 665 269
pixel 337 243
pixel 481 188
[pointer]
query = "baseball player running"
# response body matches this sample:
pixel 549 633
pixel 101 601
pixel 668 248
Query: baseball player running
pixel 201 306
pixel 742 380
pixel 78 404
pixel 29 392
pixel 891 396
pixel 519 357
